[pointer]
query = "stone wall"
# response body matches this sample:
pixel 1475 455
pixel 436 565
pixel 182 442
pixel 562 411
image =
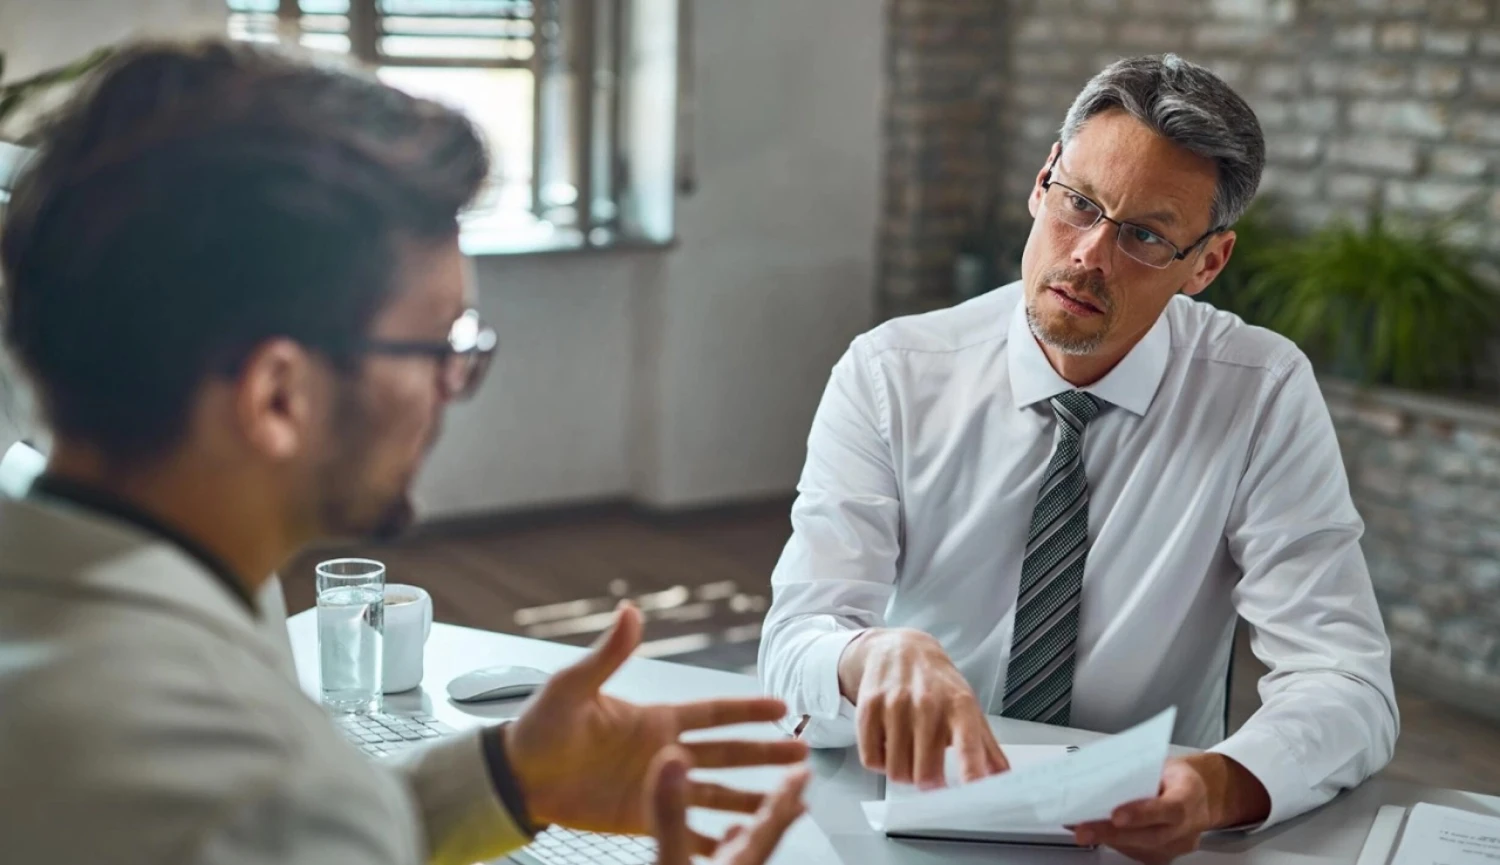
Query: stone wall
pixel 1425 473
pixel 1366 104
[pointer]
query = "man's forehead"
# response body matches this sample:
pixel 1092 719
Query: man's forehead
pixel 433 285
pixel 1118 157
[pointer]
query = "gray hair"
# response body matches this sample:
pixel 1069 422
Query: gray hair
pixel 1191 107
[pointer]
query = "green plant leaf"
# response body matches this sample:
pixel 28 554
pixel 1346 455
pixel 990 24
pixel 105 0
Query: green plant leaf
pixel 1390 303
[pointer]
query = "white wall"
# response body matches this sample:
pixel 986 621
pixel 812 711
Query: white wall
pixel 775 271
pixel 551 423
pixel 680 377
pixel 38 34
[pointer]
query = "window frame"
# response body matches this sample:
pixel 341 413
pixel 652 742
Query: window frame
pixel 580 84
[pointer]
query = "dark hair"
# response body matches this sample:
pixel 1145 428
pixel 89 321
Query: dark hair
pixel 193 201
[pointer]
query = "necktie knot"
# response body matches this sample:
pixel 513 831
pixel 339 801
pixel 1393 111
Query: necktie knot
pixel 1076 408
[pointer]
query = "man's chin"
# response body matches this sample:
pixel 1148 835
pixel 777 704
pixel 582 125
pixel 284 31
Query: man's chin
pixel 1057 330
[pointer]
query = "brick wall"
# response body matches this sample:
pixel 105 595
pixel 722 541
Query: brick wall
pixel 943 92
pixel 1366 104
pixel 1425 474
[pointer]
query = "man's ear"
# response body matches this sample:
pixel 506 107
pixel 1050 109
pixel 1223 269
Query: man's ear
pixel 1034 201
pixel 1210 262
pixel 276 396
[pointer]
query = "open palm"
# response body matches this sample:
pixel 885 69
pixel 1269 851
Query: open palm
pixel 584 759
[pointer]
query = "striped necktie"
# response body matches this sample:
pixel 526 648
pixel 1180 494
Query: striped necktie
pixel 1039 683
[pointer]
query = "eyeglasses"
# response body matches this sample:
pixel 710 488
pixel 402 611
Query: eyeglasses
pixel 1074 209
pixel 463 359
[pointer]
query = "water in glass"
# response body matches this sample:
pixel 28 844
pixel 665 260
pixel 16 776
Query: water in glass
pixel 351 628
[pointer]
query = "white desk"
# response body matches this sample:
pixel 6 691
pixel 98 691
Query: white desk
pixel 1332 835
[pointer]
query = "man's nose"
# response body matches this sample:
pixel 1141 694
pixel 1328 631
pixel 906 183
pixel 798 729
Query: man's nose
pixel 1094 249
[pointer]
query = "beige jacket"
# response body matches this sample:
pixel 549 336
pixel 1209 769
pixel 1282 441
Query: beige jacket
pixel 146 717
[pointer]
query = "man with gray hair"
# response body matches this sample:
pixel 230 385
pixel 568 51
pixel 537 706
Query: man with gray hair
pixel 1052 502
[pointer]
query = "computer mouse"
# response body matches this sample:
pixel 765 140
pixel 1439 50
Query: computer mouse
pixel 496 683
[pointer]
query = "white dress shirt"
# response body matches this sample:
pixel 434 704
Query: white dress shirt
pixel 1216 487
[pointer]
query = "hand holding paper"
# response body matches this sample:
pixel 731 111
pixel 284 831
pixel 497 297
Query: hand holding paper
pixel 1077 788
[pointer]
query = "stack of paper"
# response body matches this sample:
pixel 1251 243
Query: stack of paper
pixel 1037 798
pixel 1447 836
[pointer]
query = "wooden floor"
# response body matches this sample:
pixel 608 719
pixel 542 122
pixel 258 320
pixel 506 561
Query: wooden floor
pixel 703 581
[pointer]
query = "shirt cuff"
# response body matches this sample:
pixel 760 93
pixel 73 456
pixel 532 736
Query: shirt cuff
pixel 825 716
pixel 463 819
pixel 1268 758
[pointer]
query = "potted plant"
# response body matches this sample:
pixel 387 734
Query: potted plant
pixel 1384 304
pixel 1260 235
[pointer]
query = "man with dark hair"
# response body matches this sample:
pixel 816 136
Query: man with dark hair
pixel 235 282
pixel 1054 502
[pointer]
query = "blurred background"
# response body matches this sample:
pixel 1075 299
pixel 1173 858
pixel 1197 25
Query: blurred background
pixel 698 203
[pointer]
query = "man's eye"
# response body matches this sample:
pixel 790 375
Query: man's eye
pixel 1079 202
pixel 1144 237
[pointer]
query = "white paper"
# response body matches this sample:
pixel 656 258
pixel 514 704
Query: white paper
pixel 1077 788
pixel 1447 836
pixel 1019 757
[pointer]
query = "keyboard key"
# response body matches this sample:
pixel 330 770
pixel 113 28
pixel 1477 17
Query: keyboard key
pixel 380 734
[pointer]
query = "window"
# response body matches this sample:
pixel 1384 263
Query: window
pixel 11 157
pixel 568 93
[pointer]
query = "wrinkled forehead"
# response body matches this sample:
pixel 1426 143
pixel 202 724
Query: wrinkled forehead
pixel 1139 175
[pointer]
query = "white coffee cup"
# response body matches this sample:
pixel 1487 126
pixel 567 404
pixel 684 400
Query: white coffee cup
pixel 408 621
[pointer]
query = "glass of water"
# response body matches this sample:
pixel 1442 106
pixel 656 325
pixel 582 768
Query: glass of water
pixel 351 628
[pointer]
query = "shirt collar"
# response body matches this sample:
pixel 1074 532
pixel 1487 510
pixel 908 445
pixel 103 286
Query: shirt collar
pixel 114 507
pixel 1131 385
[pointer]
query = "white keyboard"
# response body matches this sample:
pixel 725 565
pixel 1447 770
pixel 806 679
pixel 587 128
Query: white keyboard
pixel 379 734
pixel 558 846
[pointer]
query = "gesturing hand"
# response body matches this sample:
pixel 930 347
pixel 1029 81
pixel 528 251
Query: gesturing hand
pixel 911 704
pixel 744 845
pixel 582 758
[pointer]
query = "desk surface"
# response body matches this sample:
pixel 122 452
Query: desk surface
pixel 1332 834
